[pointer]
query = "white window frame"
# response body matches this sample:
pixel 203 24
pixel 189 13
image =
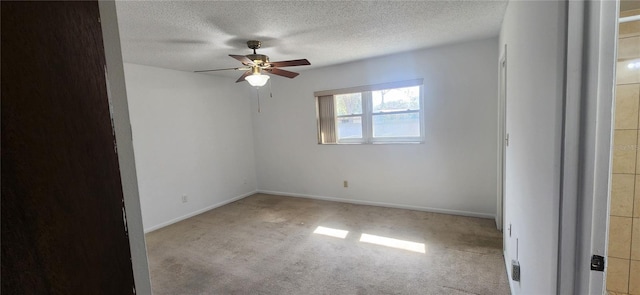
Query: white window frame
pixel 368 114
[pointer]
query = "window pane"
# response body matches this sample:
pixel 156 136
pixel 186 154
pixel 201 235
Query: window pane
pixel 349 104
pixel 396 125
pixel 349 127
pixel 399 99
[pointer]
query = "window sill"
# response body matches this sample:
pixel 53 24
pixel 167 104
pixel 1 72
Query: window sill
pixel 375 143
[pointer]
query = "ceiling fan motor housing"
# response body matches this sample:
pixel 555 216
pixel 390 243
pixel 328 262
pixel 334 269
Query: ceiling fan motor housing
pixel 258 59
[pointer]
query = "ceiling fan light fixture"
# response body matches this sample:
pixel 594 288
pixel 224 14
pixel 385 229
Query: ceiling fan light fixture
pixel 254 64
pixel 257 79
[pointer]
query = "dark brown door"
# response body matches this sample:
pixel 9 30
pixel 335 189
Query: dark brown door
pixel 62 204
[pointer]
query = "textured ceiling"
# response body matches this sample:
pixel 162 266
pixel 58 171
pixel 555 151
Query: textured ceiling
pixel 190 35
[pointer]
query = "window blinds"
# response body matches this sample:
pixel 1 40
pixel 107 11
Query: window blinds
pixel 326 120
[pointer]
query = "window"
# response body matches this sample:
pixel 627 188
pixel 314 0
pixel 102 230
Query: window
pixel 384 113
pixel 348 116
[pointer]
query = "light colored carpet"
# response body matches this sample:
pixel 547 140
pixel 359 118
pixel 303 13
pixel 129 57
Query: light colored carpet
pixel 265 244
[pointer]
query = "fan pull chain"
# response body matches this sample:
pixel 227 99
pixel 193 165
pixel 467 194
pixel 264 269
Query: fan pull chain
pixel 270 92
pixel 258 93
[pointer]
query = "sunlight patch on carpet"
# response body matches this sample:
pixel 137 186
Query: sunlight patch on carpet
pixel 332 232
pixel 393 243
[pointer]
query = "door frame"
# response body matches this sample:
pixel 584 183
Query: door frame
pixel 116 90
pixel 502 140
pixel 593 32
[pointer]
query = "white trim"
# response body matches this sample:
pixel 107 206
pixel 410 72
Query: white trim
pixel 600 26
pixel 570 147
pixel 629 19
pixel 200 211
pixel 502 131
pixel 380 204
pixel 603 156
pixel 119 107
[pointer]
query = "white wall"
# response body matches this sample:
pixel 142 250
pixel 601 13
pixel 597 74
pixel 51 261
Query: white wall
pixel 453 171
pixel 534 34
pixel 192 135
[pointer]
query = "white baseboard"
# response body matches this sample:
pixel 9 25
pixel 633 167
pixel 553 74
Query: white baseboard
pixel 194 213
pixel 359 202
pixel 381 204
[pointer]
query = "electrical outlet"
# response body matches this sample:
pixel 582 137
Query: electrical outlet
pixel 185 199
pixel 346 183
pixel 515 270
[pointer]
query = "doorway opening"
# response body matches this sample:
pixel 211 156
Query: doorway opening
pixel 623 249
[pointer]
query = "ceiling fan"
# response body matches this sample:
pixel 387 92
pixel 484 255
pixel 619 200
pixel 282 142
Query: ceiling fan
pixel 255 64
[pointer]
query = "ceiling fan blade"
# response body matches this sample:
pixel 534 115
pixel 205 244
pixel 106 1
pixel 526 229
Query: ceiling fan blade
pixel 242 68
pixel 243 59
pixel 290 63
pixel 282 73
pixel 247 73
